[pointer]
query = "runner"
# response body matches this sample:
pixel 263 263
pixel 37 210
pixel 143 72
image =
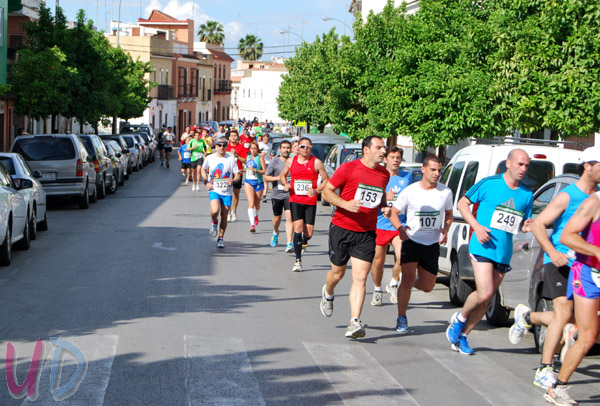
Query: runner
pixel 168 140
pixel 304 171
pixel 161 146
pixel 239 152
pixel 219 171
pixel 254 184
pixel 386 233
pixel 503 205
pixel 246 138
pixel 557 263
pixel 185 158
pixel 428 208
pixel 184 135
pixel 294 148
pixel 196 147
pixel 352 231
pixel 265 151
pixel 582 235
pixel 279 196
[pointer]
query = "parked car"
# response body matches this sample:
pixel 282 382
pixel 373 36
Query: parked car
pixel 129 128
pixel 119 158
pixel 124 150
pixel 64 163
pixel 414 168
pixel 136 152
pixel 468 166
pixel 151 145
pixel 213 124
pixel 17 168
pixel 144 149
pixel 338 154
pixel 106 179
pixel 229 123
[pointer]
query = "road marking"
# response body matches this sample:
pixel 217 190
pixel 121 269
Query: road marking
pixel 479 372
pixel 159 245
pixel 218 373
pixel 99 351
pixel 357 377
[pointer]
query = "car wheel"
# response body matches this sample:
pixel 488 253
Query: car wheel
pixel 113 184
pixel 128 172
pixel 43 226
pixel 539 331
pixel 25 242
pixel 94 196
pixel 33 225
pixel 101 189
pixel 84 200
pixel 6 247
pixel 496 314
pixel 458 289
pixel 121 178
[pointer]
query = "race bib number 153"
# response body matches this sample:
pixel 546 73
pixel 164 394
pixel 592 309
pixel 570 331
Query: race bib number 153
pixel 369 196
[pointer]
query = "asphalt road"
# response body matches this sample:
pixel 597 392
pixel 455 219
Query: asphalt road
pixel 164 318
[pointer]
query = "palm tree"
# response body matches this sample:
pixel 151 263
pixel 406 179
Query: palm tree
pixel 212 32
pixel 250 47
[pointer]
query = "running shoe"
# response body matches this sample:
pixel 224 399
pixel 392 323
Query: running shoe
pixel 168 165
pixel 229 217
pixel 520 326
pixel 559 396
pixel 255 220
pixel 393 292
pixel 355 329
pixel 326 304
pixel 454 329
pixel 213 229
pixel 187 182
pixel 544 377
pixel 220 243
pixel 233 217
pixel 402 324
pixel 462 345
pixel 304 247
pixel 193 187
pixel 569 337
pixel 183 174
pixel 377 298
pixel 274 238
pixel 289 247
pixel 297 266
pixel 252 228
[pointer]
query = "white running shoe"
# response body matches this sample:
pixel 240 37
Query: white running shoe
pixel 187 182
pixel 326 306
pixel 229 217
pixel 544 377
pixel 559 396
pixel 233 217
pixel 297 266
pixel 393 292
pixel 520 326
pixel 355 330
pixel 377 299
pixel 213 230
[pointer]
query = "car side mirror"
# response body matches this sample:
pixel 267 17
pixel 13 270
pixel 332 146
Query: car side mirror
pixel 37 174
pixel 23 183
pixel 118 154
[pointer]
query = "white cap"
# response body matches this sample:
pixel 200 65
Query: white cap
pixel 590 154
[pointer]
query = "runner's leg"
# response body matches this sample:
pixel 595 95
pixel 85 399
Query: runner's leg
pixel 378 264
pixel 397 245
pixel 333 277
pixel 223 225
pixel 563 312
pixel 289 227
pixel 360 271
pixel 426 280
pixel 409 274
pixel 487 280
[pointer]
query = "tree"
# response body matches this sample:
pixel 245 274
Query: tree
pixel 250 47
pixel 212 33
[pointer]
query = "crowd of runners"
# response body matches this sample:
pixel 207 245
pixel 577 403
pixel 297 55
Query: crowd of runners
pixel 377 204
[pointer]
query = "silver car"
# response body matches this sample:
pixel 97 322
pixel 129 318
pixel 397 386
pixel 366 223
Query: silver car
pixel 35 195
pixel 135 151
pixel 14 217
pixel 121 159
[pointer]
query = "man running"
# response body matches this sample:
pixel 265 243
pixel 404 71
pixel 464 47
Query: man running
pixel 168 141
pixel 304 171
pixel 239 152
pixel 428 208
pixel 386 233
pixel 219 172
pixel 279 197
pixel 196 147
pixel 352 231
pixel 185 158
pixel 557 264
pixel 504 207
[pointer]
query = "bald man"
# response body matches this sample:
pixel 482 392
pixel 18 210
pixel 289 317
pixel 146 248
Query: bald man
pixel 504 209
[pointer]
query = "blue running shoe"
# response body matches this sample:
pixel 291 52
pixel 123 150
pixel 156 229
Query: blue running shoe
pixel 402 324
pixel 274 238
pixel 462 346
pixel 454 329
pixel 220 243
pixel 289 247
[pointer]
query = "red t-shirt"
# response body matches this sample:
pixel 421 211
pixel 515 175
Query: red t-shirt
pixel 245 141
pixel 241 151
pixel 353 177
pixel 303 177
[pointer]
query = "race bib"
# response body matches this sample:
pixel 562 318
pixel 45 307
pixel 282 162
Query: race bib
pixel 280 187
pixel 220 185
pixel 369 196
pixel 197 155
pixel 301 187
pixel 596 276
pixel 429 220
pixel 247 145
pixel 187 155
pixel 250 174
pixel 506 219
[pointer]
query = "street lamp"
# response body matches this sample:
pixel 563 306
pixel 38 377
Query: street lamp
pixel 291 32
pixel 335 19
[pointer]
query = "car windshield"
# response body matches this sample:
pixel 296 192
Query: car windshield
pixel 8 164
pixel 45 148
pixel 347 152
pixel 321 150
pixel 539 172
pixel 89 146
pixel 129 141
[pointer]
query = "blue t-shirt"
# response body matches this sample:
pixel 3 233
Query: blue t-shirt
pixel 500 208
pixel 397 184
pixel 185 154
pixel 576 197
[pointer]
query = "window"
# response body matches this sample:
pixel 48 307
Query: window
pixel 469 178
pixel 1 26
pixel 542 200
pixel 455 177
pixel 7 163
pixel 45 148
pixel 332 157
pixel 539 172
pixel 446 174
pixel 570 168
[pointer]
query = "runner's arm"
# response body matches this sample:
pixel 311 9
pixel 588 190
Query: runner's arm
pixel 263 165
pixel 335 199
pixel 268 174
pixel 283 175
pixel 481 232
pixel 447 223
pixel 324 177
pixel 585 214
pixel 553 211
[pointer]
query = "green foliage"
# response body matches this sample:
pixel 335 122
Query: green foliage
pixel 250 47
pixel 212 32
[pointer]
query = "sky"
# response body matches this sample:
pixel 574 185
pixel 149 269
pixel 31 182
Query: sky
pixel 263 18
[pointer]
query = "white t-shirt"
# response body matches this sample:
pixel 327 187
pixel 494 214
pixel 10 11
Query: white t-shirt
pixel 425 211
pixel 265 148
pixel 219 170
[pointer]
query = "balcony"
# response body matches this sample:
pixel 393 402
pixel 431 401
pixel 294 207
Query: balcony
pixel 222 86
pixel 165 92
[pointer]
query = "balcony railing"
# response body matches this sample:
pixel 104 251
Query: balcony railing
pixel 222 86
pixel 165 92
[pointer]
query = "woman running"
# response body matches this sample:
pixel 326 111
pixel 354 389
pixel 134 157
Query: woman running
pixel 254 184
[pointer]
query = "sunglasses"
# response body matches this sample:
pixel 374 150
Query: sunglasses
pixel 305 146
pixel 221 144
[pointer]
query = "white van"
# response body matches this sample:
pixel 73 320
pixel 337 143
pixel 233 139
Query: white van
pixel 470 165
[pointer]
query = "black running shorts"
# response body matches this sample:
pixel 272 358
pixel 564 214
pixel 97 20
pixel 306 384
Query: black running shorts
pixel 426 256
pixel 344 244
pixel 306 212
